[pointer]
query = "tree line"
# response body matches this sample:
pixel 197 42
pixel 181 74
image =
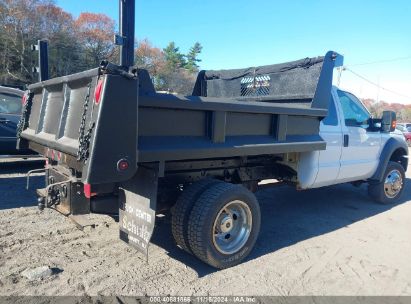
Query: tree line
pixel 78 44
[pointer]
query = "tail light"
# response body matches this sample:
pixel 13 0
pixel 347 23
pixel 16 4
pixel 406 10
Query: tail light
pixel 24 99
pixel 98 91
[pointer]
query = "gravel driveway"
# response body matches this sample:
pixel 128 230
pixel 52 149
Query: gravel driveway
pixel 331 241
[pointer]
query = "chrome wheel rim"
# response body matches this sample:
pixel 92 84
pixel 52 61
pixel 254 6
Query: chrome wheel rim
pixel 232 227
pixel 393 184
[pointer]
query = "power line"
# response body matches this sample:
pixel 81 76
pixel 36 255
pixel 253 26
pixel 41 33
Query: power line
pixel 375 84
pixel 382 61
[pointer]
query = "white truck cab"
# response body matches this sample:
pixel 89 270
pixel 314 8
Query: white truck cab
pixel 356 150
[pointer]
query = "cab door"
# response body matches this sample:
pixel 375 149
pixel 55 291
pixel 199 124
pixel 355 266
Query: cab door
pixel 329 159
pixel 361 147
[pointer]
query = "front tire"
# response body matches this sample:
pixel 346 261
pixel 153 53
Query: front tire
pixel 389 190
pixel 224 225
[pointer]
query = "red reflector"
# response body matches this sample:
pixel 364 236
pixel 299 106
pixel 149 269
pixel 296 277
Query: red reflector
pixel 97 92
pixel 122 165
pixel 87 190
pixel 24 99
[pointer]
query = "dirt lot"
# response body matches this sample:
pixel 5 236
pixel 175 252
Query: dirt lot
pixel 331 241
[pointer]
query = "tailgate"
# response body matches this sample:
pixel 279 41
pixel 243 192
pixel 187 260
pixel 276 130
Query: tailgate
pixel 57 108
pixel 63 120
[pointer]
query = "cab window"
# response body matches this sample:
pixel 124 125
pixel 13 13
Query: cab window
pixel 10 104
pixel 355 114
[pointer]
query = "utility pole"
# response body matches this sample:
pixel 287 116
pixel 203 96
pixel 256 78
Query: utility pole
pixel 340 69
pixel 43 59
pixel 378 92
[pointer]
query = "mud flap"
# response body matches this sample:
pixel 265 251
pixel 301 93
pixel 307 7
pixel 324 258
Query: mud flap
pixel 138 200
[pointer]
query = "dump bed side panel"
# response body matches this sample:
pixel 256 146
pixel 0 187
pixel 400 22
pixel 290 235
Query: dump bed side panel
pixel 179 128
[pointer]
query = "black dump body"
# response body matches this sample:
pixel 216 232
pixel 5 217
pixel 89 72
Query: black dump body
pixel 265 110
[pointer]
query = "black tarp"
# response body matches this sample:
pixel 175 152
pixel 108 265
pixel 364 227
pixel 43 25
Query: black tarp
pixel 294 81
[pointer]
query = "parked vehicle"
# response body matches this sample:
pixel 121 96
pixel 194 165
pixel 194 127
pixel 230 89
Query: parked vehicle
pixel 10 113
pixel 406 132
pixel 405 125
pixel 115 146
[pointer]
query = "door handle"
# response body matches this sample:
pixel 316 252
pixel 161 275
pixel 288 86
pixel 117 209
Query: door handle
pixel 346 140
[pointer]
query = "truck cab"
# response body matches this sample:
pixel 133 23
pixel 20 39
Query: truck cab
pixel 355 145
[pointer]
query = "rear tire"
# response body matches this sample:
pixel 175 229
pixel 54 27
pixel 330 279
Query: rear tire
pixel 182 209
pixel 224 225
pixel 389 190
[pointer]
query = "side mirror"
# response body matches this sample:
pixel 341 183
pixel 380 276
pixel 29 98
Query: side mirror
pixel 389 121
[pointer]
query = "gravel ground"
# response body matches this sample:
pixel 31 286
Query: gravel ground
pixel 331 241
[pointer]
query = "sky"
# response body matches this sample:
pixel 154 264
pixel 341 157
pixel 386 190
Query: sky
pixel 374 36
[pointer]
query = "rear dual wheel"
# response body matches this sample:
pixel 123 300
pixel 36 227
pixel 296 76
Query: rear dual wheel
pixel 182 210
pixel 223 224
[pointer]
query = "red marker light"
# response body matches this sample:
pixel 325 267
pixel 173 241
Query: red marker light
pixel 122 165
pixel 98 91
pixel 24 99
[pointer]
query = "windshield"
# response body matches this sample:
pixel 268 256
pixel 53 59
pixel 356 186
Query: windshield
pixel 10 103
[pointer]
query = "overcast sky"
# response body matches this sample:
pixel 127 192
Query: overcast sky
pixel 237 33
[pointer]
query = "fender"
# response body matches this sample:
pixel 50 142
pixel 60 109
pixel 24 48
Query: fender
pixel 390 147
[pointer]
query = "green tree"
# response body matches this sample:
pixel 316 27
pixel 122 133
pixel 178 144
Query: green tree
pixel 174 59
pixel 192 57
